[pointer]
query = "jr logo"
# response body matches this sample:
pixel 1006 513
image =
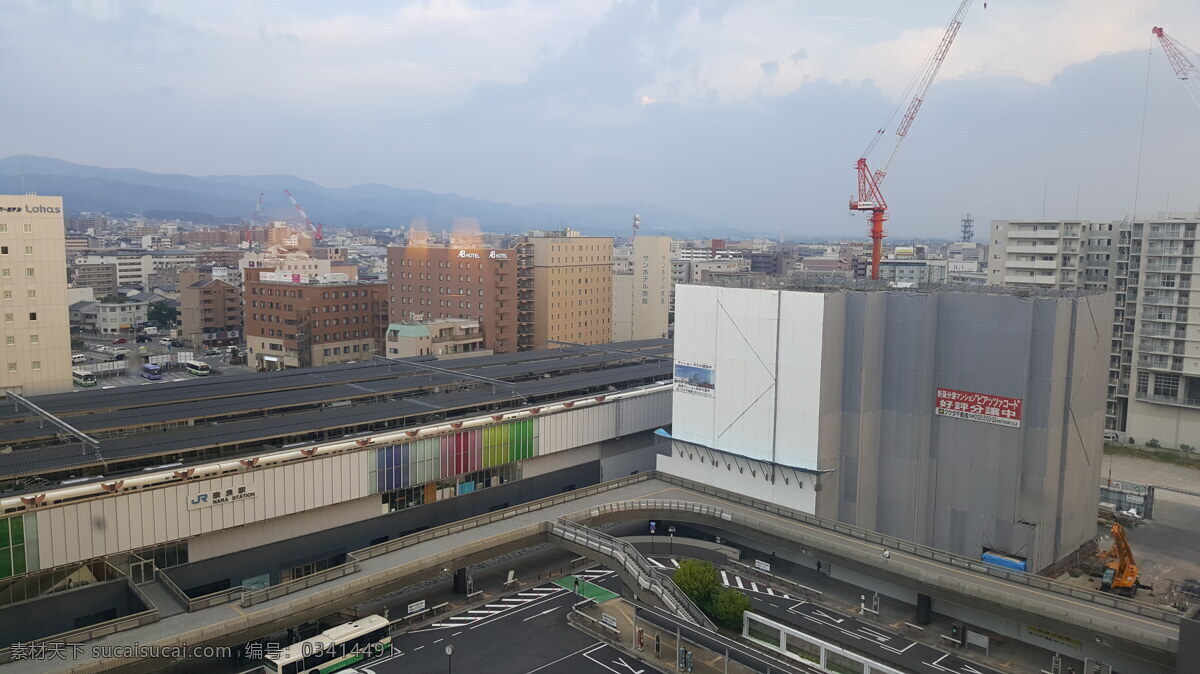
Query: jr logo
pixel 200 498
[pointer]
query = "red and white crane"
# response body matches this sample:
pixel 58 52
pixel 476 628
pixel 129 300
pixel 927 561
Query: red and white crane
pixel 1185 67
pixel 316 229
pixel 870 198
pixel 254 220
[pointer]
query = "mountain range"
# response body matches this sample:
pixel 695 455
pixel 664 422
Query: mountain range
pixel 232 199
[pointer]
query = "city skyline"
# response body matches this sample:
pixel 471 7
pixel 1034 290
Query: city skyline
pixel 749 114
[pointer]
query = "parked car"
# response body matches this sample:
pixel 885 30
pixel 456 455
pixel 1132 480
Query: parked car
pixel 120 340
pixel 176 342
pixel 142 339
pixel 1111 436
pixel 166 341
pixel 213 352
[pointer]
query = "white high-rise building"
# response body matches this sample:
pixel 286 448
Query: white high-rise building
pixel 35 333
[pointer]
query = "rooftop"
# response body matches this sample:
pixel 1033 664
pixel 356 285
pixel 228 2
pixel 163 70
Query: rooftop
pixel 824 283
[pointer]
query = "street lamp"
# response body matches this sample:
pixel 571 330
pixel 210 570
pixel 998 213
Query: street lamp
pixel 671 531
pixel 449 652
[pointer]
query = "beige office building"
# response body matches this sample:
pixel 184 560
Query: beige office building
pixel 572 287
pixel 35 334
pixel 641 290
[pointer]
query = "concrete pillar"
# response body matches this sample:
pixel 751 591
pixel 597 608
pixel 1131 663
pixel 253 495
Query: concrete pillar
pixel 924 609
pixel 460 581
pixel 1188 659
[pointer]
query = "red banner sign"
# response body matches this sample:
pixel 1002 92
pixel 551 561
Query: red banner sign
pixel 979 407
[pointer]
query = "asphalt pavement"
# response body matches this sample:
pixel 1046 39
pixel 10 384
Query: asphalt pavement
pixel 523 633
pixel 869 639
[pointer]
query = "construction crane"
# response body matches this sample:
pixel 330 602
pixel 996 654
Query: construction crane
pixel 870 198
pixel 316 229
pixel 637 223
pixel 1121 572
pixel 254 220
pixel 1185 68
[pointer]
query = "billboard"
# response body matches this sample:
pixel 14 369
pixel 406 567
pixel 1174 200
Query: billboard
pixel 695 378
pixel 982 407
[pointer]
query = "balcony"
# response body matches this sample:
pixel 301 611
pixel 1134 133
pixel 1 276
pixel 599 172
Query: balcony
pixel 1032 250
pixel 1031 264
pixel 1174 234
pixel 1167 400
pixel 1046 279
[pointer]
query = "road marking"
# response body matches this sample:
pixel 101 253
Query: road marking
pixel 660 565
pixel 439 641
pixel 754 586
pixel 757 598
pixel 569 655
pixel 538 615
pixel 770 592
pixel 724 579
pixel 675 562
pixel 456 634
pixel 881 637
pixel 829 617
pixel 738 580
pixel 419 647
pixel 479 610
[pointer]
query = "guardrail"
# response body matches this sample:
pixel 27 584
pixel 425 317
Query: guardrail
pixel 634 565
pixel 96 631
pixel 918 550
pixel 250 598
pixel 963 587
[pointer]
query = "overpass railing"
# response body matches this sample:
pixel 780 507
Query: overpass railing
pixel 355 558
pixel 926 552
pixel 635 566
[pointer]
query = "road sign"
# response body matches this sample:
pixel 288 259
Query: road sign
pixel 653 526
pixel 416 606
pixel 611 621
pixel 762 566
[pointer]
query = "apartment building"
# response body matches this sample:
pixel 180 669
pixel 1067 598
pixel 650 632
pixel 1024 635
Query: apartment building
pixel 572 283
pixel 1154 363
pixel 35 334
pixel 301 321
pixel 438 282
pixel 100 277
pixel 210 309
pixel 109 317
pixel 913 272
pixel 442 338
pixel 641 289
pixel 1037 254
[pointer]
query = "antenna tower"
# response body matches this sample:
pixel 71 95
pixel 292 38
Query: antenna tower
pixel 968 228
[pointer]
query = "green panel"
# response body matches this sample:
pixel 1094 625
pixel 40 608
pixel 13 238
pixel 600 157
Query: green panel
pixel 528 440
pixel 18 559
pixel 521 438
pixel 489 446
pixel 432 448
pixel 3 533
pixel 17 527
pixel 31 542
pixel 5 562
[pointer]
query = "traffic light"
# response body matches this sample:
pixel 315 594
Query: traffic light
pixel 958 632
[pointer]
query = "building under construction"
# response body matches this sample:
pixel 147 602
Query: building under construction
pixel 970 421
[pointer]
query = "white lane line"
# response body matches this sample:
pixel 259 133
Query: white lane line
pixel 571 655
pixel 506 614
pixel 770 592
pixel 724 579
pixel 456 634
pixel 660 565
pixel 738 579
pixel 675 562
pixel 538 615
pixel 482 611
pixel 440 640
pixel 754 586
pixel 419 647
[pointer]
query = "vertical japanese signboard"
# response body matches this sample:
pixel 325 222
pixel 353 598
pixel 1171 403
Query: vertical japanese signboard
pixel 982 407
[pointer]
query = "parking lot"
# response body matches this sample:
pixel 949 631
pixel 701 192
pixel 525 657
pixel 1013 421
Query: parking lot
pixel 138 353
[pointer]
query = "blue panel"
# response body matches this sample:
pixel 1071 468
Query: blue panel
pixel 1004 561
pixel 405 466
pixel 465 488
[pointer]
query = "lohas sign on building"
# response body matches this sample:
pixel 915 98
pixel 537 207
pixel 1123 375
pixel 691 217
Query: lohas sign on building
pixel 214 497
pixel 989 409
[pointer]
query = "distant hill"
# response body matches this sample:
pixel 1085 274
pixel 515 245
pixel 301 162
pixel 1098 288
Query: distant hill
pixel 231 199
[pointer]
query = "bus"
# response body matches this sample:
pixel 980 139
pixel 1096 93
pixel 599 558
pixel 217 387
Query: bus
pixel 152 372
pixel 198 368
pixel 335 648
pixel 83 378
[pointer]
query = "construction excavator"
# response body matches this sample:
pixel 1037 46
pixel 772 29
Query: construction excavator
pixel 1121 571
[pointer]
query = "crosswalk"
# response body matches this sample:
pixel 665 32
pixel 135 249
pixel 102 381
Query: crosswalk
pixel 499 606
pixel 727 579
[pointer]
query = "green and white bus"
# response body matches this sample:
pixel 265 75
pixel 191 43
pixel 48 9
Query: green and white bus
pixel 198 368
pixel 335 648
pixel 83 378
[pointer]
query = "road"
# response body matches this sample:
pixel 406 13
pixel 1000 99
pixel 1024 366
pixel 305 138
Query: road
pixel 866 638
pixel 521 634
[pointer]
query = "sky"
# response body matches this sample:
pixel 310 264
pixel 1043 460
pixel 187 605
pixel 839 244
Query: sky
pixel 747 113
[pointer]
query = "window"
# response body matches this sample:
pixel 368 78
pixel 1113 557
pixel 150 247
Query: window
pixel 1143 382
pixel 28 228
pixel 33 315
pixel 8 294
pixel 37 365
pixel 1166 385
pixel 12 367
pixel 29 271
pixel 4 228
pixel 5 272
pixel 33 339
pixel 8 318
pixel 32 294
pixel 29 250
pixel 10 340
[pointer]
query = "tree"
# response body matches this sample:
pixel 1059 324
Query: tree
pixel 699 581
pixel 162 313
pixel 727 608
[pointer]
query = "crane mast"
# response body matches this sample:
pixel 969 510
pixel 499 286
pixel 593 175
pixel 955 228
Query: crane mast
pixel 254 220
pixel 307 220
pixel 870 197
pixel 1185 70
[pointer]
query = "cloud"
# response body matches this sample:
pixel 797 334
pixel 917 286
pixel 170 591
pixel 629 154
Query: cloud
pixel 770 68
